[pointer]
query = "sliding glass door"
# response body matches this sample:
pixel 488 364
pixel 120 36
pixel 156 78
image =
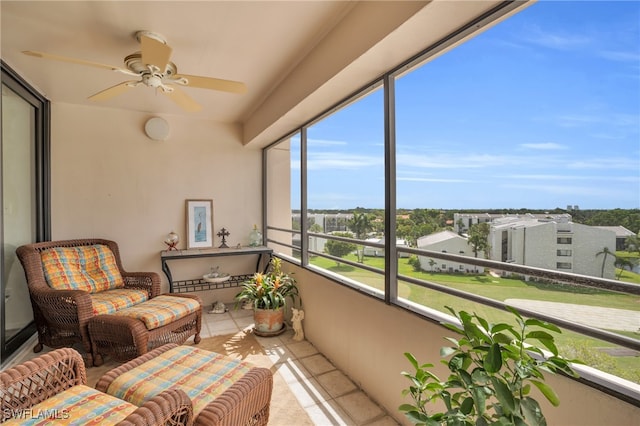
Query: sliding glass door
pixel 24 155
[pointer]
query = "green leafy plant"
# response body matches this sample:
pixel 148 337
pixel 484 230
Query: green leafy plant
pixel 492 370
pixel 269 290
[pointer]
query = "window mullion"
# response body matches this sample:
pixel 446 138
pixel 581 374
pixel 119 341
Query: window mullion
pixel 390 256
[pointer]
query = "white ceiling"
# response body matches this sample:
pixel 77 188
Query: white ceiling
pixel 269 45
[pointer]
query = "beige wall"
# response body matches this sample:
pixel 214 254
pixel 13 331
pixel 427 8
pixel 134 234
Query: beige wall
pixel 366 339
pixel 109 180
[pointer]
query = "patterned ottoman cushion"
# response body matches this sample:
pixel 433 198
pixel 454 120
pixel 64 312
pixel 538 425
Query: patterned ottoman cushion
pixel 161 310
pixel 79 405
pixel 201 374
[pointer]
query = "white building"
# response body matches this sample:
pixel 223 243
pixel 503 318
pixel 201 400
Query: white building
pixel 463 221
pixel 548 242
pixel 379 252
pixel 556 244
pixel 446 242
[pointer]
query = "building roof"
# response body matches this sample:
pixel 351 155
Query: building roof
pixel 620 231
pixel 437 237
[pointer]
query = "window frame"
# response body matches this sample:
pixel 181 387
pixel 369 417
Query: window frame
pixel 391 275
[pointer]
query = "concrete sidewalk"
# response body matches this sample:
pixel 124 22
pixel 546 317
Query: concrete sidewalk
pixel 593 316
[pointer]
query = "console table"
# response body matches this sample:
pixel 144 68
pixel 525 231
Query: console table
pixel 198 284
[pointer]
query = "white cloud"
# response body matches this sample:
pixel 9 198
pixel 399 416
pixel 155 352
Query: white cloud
pixel 438 180
pixel 572 177
pixel 613 163
pixel 341 160
pixel 622 56
pixel 543 146
pixel 324 142
pixel 573 190
pixel 458 161
pixel 558 41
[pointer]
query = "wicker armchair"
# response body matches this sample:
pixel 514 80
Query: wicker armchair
pixel 38 387
pixel 62 316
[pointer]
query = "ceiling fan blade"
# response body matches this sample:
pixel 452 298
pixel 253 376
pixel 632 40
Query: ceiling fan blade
pixel 113 91
pixel 155 52
pixel 211 83
pixel 74 61
pixel 183 100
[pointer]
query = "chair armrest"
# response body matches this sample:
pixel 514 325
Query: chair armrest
pixel 63 306
pixel 171 407
pixel 34 381
pixel 246 402
pixel 148 281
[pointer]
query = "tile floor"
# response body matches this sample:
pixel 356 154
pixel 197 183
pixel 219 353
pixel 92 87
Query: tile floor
pixel 329 396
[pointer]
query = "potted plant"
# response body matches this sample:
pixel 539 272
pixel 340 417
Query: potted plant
pixel 492 370
pixel 268 293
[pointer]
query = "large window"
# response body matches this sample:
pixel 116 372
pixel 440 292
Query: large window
pixel 25 210
pixel 504 153
pixel 345 164
pixel 282 190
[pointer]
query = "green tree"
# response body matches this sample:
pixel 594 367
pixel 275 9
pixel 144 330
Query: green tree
pixel 432 263
pixel 339 248
pixel 316 228
pixel 479 238
pixel 414 262
pixel 404 229
pixel 632 243
pixel 360 225
pixel 606 252
pixel 621 263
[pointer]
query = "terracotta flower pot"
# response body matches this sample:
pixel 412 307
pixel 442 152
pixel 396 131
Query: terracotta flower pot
pixel 268 320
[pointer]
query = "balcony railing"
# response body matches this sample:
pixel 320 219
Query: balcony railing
pixel 581 283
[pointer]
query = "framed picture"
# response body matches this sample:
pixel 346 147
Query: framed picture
pixel 199 224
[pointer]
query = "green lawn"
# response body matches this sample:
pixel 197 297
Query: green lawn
pixel 498 288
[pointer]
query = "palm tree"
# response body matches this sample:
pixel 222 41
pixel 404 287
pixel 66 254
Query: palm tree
pixel 431 264
pixel 360 225
pixel 621 263
pixel 606 253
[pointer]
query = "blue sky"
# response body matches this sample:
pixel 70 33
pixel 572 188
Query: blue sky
pixel 540 111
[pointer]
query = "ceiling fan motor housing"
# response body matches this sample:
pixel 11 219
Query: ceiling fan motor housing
pixel 134 63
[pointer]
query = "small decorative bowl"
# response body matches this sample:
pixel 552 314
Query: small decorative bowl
pixel 216 277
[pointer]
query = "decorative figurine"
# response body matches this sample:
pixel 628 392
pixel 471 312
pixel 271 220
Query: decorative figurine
pixel 223 234
pixel 298 316
pixel 218 308
pixel 172 241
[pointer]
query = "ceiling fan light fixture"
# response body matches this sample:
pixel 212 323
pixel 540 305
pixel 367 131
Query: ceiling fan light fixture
pixel 152 80
pixel 157 129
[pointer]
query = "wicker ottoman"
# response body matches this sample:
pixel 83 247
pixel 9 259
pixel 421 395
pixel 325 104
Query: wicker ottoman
pixel 131 332
pixel 223 390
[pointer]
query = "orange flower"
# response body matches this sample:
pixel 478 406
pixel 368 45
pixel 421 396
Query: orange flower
pixel 258 277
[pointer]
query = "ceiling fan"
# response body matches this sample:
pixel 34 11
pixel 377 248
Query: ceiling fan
pixel 153 67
